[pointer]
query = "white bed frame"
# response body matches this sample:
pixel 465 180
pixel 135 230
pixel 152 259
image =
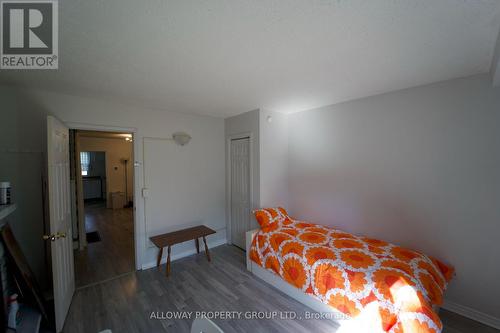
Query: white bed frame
pixel 280 284
pixel 308 300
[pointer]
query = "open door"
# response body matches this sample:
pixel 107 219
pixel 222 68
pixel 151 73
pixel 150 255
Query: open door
pixel 60 218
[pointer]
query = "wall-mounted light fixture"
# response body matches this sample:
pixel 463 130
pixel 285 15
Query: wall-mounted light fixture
pixel 181 138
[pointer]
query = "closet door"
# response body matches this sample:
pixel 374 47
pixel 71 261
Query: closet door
pixel 240 190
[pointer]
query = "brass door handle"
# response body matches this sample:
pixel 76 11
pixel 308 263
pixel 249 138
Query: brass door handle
pixel 51 237
pixel 54 237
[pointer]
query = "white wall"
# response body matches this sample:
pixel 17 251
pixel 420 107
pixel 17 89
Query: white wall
pixel 269 157
pixel 417 167
pixel 206 149
pixel 273 159
pixel 242 125
pixel 115 149
pixel 495 64
pixel 22 161
pixel 247 124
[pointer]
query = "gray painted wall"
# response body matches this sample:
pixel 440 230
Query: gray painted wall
pixel 273 159
pixel 417 167
pixel 22 162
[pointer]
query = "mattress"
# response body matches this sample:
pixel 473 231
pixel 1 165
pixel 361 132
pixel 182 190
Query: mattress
pixel 394 288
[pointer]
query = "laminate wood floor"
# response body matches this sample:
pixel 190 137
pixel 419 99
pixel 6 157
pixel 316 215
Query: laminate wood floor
pixel 114 254
pixel 125 304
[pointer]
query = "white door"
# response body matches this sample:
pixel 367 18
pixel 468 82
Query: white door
pixel 60 218
pixel 240 190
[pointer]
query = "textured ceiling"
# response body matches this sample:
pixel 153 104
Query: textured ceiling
pixel 226 57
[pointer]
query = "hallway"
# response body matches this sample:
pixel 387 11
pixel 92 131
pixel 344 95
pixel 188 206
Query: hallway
pixel 114 254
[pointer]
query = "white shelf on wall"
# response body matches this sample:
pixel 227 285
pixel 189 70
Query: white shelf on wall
pixel 6 210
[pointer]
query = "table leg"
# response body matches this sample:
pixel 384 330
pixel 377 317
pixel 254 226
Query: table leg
pixel 197 241
pixel 160 254
pixel 168 261
pixel 206 248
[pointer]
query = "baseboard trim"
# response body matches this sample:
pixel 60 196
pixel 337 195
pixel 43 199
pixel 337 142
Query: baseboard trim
pixel 472 314
pixel 174 257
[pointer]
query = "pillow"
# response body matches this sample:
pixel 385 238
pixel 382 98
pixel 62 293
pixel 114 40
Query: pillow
pixel 267 217
pixel 447 270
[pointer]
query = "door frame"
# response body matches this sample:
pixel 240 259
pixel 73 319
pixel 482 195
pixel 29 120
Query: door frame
pixel 229 138
pixel 82 241
pixel 135 149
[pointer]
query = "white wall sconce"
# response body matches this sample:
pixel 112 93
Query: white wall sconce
pixel 181 138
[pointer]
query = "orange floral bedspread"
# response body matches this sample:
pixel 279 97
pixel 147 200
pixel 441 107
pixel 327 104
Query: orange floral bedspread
pixel 356 274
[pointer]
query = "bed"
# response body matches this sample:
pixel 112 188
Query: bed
pixel 364 284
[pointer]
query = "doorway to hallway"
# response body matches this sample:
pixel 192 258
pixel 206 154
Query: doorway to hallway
pixel 102 174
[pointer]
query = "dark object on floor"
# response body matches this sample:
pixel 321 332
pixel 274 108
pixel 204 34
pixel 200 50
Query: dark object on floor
pixel 180 236
pixel 95 202
pixel 93 237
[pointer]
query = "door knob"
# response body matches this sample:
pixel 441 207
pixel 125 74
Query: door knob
pixel 51 237
pixel 54 237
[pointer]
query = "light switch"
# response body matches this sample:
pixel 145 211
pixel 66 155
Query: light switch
pixel 145 192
